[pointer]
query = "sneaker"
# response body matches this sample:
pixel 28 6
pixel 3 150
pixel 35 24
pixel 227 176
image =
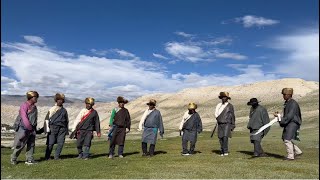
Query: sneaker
pixel 110 157
pixel 144 154
pixel 30 162
pixel 225 154
pixel 298 154
pixel 287 159
pixel 86 158
pixel 13 162
pixel 185 154
pixel 120 156
pixel 221 154
pixel 80 156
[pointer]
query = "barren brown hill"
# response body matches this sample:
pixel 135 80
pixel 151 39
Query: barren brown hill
pixel 173 105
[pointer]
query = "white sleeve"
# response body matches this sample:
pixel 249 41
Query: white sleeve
pixel 216 114
pixel 77 120
pixel 142 120
pixel 182 121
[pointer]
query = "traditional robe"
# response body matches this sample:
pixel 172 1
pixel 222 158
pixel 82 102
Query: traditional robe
pixel 88 125
pixel 192 127
pixel 226 121
pixel 152 123
pixel 58 122
pixel 291 120
pixel 258 117
pixel 120 122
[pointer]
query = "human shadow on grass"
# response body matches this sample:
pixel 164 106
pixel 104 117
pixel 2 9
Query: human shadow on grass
pixel 64 156
pixel 216 151
pixel 160 152
pixel 269 154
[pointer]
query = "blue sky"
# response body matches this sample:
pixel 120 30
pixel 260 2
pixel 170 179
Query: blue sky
pixel 109 48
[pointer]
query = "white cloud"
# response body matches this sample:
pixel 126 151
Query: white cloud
pixel 300 54
pixel 159 56
pixel 34 39
pixel 184 34
pixel 49 71
pixel 186 52
pixel 251 21
pixel 235 56
pixel 124 53
pixel 201 50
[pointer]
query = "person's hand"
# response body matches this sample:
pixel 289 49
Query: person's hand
pixel 99 134
pixel 127 130
pixel 161 134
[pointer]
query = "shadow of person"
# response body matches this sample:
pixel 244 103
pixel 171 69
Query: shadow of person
pixel 196 152
pixel 269 154
pixel 216 151
pixel 160 152
pixel 130 153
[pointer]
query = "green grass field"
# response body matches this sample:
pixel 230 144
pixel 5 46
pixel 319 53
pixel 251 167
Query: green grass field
pixel 169 164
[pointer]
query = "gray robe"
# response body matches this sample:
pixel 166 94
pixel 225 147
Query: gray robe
pixel 226 121
pixel 58 124
pixel 152 124
pixel 258 118
pixel 291 120
pixel 192 127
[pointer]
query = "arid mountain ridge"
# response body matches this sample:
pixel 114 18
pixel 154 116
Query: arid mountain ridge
pixel 173 105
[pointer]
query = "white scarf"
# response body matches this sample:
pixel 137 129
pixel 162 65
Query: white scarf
pixel 82 113
pixel 143 118
pixel 185 118
pixel 53 110
pixel 220 107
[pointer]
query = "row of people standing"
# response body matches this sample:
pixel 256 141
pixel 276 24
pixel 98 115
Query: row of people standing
pixel 57 123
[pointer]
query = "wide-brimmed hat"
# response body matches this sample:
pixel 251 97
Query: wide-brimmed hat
pixel 224 94
pixel 152 102
pixel 192 106
pixel 253 101
pixel 89 100
pixel 120 99
pixel 31 94
pixel 59 96
pixel 287 91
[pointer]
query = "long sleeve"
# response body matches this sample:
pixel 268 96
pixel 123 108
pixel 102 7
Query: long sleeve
pixel 161 127
pixel 142 119
pixel 289 115
pixel 199 128
pixel 113 113
pixel 128 122
pixel 78 119
pixel 67 124
pixel 97 123
pixel 233 118
pixel 24 116
pixel 216 114
pixel 265 120
pixel 185 115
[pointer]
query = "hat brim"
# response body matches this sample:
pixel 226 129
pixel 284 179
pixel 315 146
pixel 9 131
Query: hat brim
pixel 251 103
pixel 220 97
pixel 151 104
